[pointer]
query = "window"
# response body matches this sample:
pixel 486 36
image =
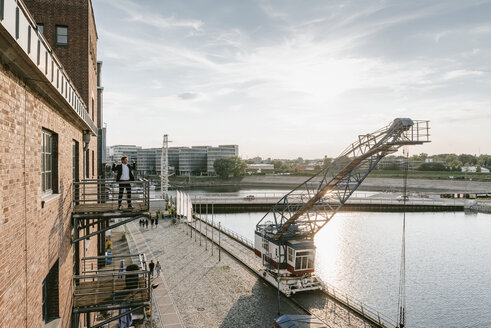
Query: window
pixel 87 164
pixel 266 245
pixel 93 156
pixel 290 254
pixel 1 9
pixel 29 39
pixel 92 109
pixel 62 35
pixel 16 23
pixel 41 27
pixel 304 260
pixel 48 162
pixel 50 294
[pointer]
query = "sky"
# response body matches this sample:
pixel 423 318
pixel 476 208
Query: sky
pixel 288 79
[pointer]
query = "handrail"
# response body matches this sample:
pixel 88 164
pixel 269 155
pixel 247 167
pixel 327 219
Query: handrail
pixel 93 191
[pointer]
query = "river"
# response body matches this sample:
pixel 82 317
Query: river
pixel 448 260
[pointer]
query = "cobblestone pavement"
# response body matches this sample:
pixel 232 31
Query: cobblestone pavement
pixel 208 293
pixel 318 303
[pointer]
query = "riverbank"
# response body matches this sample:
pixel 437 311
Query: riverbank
pixel 371 184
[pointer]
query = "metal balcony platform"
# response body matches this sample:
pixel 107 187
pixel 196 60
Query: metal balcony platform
pixel 111 287
pixel 95 201
pixel 94 198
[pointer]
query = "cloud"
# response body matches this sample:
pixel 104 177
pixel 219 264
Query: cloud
pixel 307 69
pixel 138 14
pixel 187 95
pixel 461 73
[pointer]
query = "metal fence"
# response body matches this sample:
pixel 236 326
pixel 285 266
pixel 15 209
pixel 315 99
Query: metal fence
pixel 107 191
pixel 353 303
pixel 106 283
pixel 241 239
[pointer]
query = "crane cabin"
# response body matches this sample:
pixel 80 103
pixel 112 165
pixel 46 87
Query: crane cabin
pixel 288 264
pixel 300 254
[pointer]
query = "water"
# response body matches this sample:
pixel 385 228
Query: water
pixel 448 262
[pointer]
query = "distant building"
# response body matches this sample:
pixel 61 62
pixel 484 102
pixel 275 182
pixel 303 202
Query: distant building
pixel 192 161
pixel 473 169
pixel 260 167
pixel 185 161
pixel 114 153
pixel 147 160
pixel 221 151
pixel 257 159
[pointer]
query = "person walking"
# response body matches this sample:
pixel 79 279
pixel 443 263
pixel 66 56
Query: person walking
pixel 146 223
pixel 123 176
pixel 122 268
pixel 158 268
pixel 151 266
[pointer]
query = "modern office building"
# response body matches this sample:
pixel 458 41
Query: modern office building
pixel 192 161
pixel 114 153
pixel 147 160
pixel 48 128
pixel 221 151
pixel 185 161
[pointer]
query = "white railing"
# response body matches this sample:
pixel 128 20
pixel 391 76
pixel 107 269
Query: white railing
pixel 272 198
pixel 353 303
pixel 18 22
pixel 241 239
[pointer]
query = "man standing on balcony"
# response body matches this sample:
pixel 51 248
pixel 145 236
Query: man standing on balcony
pixel 123 176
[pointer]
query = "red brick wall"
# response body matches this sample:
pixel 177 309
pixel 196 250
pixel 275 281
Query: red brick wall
pixel 32 238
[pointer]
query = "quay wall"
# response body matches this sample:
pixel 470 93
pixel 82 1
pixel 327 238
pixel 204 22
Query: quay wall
pixel 264 207
pixel 371 184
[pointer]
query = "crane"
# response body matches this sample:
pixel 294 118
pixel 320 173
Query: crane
pixel 284 237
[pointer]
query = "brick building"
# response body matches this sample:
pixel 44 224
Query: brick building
pixel 48 111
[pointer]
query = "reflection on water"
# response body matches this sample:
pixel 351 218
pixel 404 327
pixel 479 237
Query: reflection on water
pixel 448 262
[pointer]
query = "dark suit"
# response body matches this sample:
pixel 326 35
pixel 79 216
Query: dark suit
pixel 124 184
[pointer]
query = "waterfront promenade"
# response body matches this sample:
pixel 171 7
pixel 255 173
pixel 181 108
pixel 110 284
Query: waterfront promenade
pixel 206 292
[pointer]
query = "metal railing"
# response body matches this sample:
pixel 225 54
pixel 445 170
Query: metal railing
pixel 110 285
pixel 353 200
pixel 353 303
pixel 107 191
pixel 100 264
pixel 241 239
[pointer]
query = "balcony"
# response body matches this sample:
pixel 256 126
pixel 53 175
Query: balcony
pixel 111 287
pixel 99 198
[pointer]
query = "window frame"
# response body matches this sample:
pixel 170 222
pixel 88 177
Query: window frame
pixel 49 162
pixel 57 35
pixel 304 260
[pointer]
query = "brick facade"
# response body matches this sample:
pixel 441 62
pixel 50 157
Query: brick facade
pixel 36 229
pixel 32 236
pixel 79 57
